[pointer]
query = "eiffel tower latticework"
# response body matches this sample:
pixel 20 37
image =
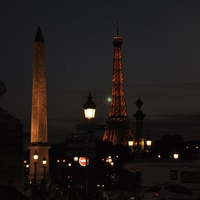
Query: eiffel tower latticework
pixel 118 131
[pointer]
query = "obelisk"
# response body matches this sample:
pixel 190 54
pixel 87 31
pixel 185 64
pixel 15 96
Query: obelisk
pixel 39 135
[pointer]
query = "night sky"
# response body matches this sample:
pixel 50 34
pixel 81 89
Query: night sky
pixel 161 62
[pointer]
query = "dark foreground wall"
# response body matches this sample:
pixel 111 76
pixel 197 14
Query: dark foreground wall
pixel 11 150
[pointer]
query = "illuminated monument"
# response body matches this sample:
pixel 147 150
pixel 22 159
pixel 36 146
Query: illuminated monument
pixel 118 131
pixel 39 135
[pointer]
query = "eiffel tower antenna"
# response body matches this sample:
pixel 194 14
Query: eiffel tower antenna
pixel 117 28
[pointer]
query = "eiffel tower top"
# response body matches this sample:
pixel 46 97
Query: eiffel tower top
pixel 117 41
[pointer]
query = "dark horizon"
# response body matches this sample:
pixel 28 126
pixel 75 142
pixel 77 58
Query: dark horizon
pixel 156 126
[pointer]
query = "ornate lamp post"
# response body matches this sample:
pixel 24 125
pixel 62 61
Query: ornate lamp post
pixel 35 158
pixel 44 162
pixel 130 144
pixel 76 169
pixel 89 112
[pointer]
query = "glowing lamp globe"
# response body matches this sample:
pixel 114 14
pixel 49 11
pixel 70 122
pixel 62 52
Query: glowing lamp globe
pixel 89 108
pixel 148 141
pixel 75 158
pixel 130 143
pixel 44 161
pixel 35 155
pixel 175 155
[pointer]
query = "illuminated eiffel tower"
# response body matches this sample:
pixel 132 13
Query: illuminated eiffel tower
pixel 118 131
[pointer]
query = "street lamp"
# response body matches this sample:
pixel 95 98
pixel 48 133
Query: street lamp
pixel 44 162
pixel 89 112
pixel 26 170
pixel 75 159
pixel 89 108
pixel 175 155
pixel 148 141
pixel 76 169
pixel 35 158
pixel 130 143
pixel 69 164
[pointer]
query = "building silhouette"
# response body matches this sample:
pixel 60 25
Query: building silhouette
pixel 118 131
pixel 11 147
pixel 39 134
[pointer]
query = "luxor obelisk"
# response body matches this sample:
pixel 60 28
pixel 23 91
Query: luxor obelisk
pixel 39 134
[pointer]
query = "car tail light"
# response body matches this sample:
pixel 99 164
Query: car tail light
pixel 156 194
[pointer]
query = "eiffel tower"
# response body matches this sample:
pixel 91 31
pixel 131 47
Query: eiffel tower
pixel 118 131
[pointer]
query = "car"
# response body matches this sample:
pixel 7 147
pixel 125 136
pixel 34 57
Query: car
pixel 9 193
pixel 169 192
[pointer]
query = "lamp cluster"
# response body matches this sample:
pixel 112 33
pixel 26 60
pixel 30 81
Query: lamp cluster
pixel 44 162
